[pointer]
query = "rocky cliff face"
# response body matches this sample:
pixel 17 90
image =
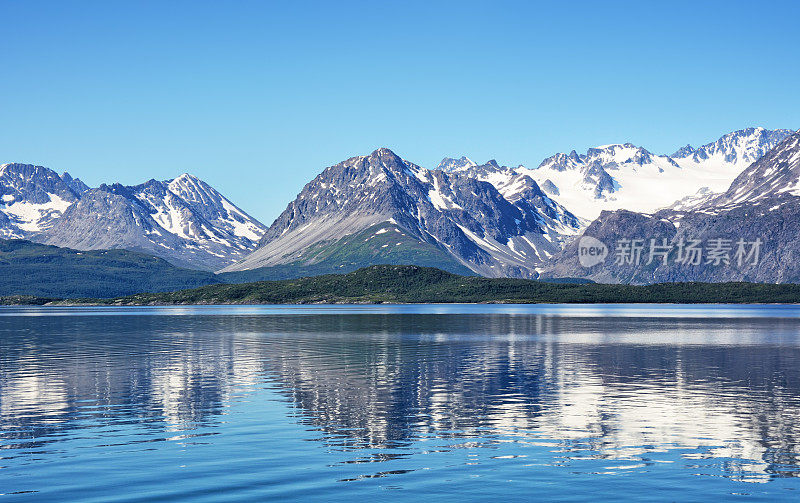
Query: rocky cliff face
pixel 460 215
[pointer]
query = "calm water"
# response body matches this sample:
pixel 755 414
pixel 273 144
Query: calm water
pixel 446 402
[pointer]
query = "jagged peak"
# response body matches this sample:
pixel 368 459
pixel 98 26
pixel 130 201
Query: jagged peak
pixel 453 164
pixel 377 156
pixel 383 152
pixel 734 137
pixel 684 151
pixel 187 181
pixel 26 166
pixel 186 177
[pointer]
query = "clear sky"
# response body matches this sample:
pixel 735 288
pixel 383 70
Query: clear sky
pixel 258 97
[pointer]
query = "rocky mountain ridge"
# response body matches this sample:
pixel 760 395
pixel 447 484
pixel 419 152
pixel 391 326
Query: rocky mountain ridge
pixel 747 233
pixel 626 176
pixel 455 214
pixel 183 220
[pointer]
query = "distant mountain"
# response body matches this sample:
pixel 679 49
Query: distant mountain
pixel 463 217
pixel 183 220
pixel 28 268
pixel 747 233
pixel 736 150
pixel 626 176
pixel 452 165
pixel 380 208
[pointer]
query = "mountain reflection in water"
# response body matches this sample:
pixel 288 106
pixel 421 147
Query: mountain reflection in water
pixel 587 394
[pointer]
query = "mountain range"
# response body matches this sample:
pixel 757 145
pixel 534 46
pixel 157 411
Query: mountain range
pixel 494 220
pixel 463 217
pixel 183 220
pixel 626 176
pixel 749 232
pixel 380 206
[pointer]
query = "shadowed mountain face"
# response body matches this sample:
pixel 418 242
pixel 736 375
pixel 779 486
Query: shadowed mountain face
pixel 461 221
pixel 747 233
pixel 724 391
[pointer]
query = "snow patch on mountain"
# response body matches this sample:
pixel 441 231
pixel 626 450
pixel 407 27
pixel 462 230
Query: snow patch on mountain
pixel 29 217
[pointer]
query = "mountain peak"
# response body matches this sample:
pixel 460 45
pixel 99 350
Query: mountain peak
pixel 385 157
pixel 383 152
pixel 451 164
pixel 184 177
pixel 684 151
pixel 776 173
pixel 187 183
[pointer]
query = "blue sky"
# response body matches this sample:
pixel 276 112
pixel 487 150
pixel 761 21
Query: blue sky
pixel 258 97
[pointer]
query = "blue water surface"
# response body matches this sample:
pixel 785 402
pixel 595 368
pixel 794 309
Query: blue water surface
pixel 452 402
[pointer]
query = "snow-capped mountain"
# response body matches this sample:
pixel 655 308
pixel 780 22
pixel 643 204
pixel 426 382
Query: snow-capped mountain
pixel 514 184
pixel 464 216
pixel 33 197
pixel 774 175
pixel 377 207
pixel 183 220
pixel 616 176
pixel 762 205
pixel 734 151
pixel 453 165
pixel 183 205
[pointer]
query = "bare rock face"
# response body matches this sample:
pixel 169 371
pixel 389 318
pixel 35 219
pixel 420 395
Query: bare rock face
pixel 748 233
pixel 461 215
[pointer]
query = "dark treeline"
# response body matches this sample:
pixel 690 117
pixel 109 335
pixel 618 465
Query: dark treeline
pixel 413 284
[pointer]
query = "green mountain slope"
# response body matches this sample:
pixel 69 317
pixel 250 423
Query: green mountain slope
pixel 380 244
pixel 412 284
pixel 33 269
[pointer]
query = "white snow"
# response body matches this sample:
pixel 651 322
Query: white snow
pixel 643 181
pixel 30 217
pixel 169 218
pixel 249 230
pixel 440 200
pixel 482 242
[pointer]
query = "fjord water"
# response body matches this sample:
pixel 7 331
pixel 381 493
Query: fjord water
pixel 453 403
